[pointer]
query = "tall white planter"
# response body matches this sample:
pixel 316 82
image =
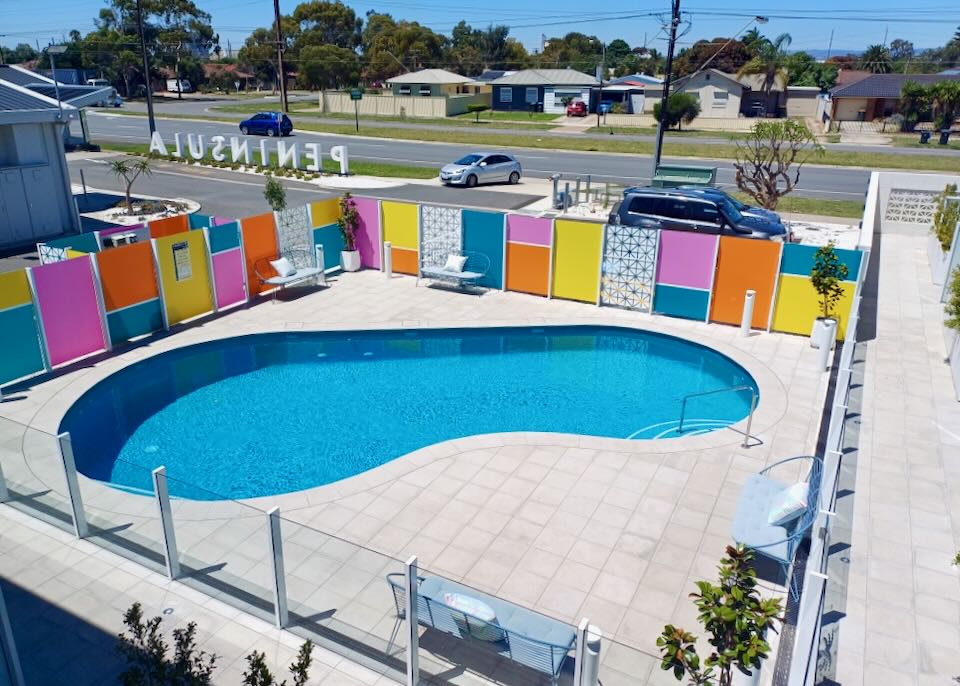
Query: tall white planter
pixel 350 259
pixel 824 332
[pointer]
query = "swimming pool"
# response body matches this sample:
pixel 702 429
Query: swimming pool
pixel 274 413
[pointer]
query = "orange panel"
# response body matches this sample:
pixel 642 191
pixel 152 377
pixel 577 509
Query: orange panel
pixel 127 275
pixel 259 241
pixel 744 264
pixel 528 268
pixel 406 261
pixel 169 226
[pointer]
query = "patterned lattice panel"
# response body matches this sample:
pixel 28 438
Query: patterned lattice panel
pixel 49 253
pixel 912 207
pixel 629 267
pixel 441 234
pixel 294 233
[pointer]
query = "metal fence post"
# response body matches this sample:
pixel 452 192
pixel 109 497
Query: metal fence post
pixel 746 322
pixel 73 486
pixel 280 614
pixel 413 633
pixel 388 259
pixel 162 496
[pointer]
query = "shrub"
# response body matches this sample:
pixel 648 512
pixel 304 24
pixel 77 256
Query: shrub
pixel 349 222
pixel 618 108
pixel 681 107
pixel 945 217
pixel 476 110
pixel 952 308
pixel 826 275
pixel 275 194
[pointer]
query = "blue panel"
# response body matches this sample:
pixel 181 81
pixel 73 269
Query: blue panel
pixel 332 241
pixel 21 344
pixel 798 259
pixel 224 237
pixel 84 242
pixel 674 301
pixel 483 233
pixel 135 320
pixel 199 221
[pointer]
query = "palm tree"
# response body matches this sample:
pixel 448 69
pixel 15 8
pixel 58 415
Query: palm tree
pixel 753 39
pixel 945 98
pixel 769 62
pixel 876 59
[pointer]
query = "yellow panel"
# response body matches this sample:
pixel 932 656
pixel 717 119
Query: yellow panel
pixel 576 260
pixel 190 296
pixel 400 224
pixel 14 289
pixel 71 253
pixel 324 212
pixel 798 306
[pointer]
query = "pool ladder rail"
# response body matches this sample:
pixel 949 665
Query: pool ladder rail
pixel 729 389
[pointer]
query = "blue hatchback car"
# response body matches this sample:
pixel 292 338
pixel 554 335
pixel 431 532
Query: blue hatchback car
pixel 267 124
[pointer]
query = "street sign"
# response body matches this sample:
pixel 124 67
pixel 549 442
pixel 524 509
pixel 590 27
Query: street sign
pixel 356 94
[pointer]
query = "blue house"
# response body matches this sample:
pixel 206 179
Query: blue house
pixel 542 89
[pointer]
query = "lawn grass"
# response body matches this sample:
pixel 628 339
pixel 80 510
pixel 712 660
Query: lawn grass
pixel 614 144
pixel 498 115
pixel 848 209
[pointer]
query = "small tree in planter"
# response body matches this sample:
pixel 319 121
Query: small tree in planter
pixel 734 615
pixel 129 171
pixel 258 674
pixel 349 223
pixel 275 194
pixel 827 274
pixel 146 652
pixel 952 308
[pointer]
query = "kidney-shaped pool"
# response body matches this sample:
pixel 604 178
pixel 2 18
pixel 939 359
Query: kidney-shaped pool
pixel 265 414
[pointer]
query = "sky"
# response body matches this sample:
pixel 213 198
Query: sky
pixel 854 24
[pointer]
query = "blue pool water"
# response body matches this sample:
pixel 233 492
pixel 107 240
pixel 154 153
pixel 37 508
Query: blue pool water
pixel 274 413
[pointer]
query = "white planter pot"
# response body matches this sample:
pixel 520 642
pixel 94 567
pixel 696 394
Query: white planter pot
pixel 824 332
pixel 350 260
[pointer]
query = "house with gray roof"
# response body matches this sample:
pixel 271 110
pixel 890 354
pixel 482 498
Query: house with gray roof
pixel 544 90
pixel 876 96
pixel 431 83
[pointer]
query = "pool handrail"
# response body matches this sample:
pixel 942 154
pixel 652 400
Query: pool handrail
pixel 729 389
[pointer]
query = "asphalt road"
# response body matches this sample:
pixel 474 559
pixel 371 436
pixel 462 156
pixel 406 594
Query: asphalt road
pixel 824 182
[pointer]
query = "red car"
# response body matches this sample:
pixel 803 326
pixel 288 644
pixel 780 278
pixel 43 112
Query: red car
pixel 577 108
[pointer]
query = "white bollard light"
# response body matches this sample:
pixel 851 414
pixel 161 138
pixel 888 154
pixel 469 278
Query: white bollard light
pixel 829 335
pixel 388 259
pixel 747 321
pixel 586 667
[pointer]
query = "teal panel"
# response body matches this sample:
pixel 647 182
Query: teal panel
pixel 688 303
pixel 198 221
pixel 84 242
pixel 135 320
pixel 483 233
pixel 798 259
pixel 20 343
pixel 224 237
pixel 332 241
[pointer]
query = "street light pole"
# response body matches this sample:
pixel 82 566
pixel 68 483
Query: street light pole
pixel 146 70
pixel 674 24
pixel 51 51
pixel 281 72
pixel 603 71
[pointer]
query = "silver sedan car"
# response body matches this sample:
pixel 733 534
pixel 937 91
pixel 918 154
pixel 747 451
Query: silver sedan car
pixel 482 167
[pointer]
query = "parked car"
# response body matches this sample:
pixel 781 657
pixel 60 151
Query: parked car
pixel 267 124
pixel 577 108
pixel 481 167
pixel 667 209
pixel 711 191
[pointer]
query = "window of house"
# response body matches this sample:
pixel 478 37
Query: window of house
pixel 720 98
pixel 506 95
pixel 404 90
pixel 532 94
pixel 424 90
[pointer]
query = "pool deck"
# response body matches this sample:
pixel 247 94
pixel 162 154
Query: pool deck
pixel 572 526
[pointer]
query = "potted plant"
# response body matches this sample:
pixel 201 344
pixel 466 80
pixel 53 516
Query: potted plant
pixel 827 273
pixel 349 223
pixel 737 620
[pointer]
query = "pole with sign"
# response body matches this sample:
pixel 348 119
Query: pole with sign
pixel 356 95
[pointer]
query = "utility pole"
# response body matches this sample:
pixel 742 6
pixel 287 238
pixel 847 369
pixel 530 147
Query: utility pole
pixel 281 72
pixel 674 24
pixel 830 45
pixel 603 71
pixel 177 70
pixel 146 70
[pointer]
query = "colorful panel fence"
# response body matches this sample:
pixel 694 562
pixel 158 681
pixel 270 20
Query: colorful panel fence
pixel 130 294
pixel 198 221
pixel 528 268
pixel 324 212
pixel 744 264
pixel 368 234
pixel 69 309
pixel 797 304
pixel 226 258
pixel 629 266
pixel 22 354
pixel 332 241
pixel 483 232
pixel 401 230
pixel 530 230
pixel 184 275
pixel 294 233
pixel 169 226
pixel 685 266
pixel 441 234
pixel 259 243
pixel 119 235
pixel 576 260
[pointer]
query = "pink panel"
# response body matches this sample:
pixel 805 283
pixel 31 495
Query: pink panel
pixel 686 259
pixel 535 230
pixel 368 238
pixel 120 229
pixel 228 272
pixel 68 309
pixel 217 221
